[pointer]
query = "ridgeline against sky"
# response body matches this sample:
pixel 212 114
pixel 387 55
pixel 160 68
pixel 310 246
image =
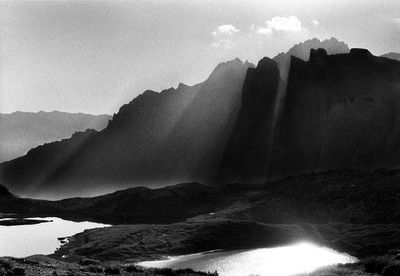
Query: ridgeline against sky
pixel 242 124
pixel 93 57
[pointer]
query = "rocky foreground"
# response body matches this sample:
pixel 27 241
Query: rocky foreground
pixel 43 265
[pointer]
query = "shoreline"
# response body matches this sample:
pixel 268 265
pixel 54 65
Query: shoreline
pixel 22 221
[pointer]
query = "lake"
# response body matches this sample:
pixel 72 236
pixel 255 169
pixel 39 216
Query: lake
pixel 26 240
pixel 278 261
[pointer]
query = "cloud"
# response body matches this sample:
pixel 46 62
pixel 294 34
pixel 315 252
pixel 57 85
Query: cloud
pixel 278 23
pixel 223 36
pixel 315 22
pixel 225 30
pixel 223 43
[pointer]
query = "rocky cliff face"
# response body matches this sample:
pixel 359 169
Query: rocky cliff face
pixel 249 149
pixel 339 112
pixel 302 51
pixel 156 139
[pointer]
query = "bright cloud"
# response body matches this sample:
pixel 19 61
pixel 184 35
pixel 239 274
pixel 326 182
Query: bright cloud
pixel 223 43
pixel 225 29
pixel 223 36
pixel 290 23
pixel 315 22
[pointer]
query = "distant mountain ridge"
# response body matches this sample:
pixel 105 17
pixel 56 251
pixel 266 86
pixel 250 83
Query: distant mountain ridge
pixel 392 55
pixel 156 139
pixel 21 131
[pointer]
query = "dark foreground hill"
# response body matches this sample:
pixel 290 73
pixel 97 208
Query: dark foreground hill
pixel 22 131
pixel 348 197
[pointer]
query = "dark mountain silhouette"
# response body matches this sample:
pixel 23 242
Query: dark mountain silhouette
pixel 156 139
pixel 392 55
pixel 302 51
pixel 249 147
pixel 21 131
pixel 5 193
pixel 248 154
pixel 339 112
pixel 133 205
pixel 365 198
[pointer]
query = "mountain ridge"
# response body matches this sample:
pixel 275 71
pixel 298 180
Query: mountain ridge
pixel 131 149
pixel 238 125
pixel 20 131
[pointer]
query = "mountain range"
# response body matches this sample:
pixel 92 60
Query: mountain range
pixel 21 131
pixel 319 106
pixel 339 112
pixel 156 139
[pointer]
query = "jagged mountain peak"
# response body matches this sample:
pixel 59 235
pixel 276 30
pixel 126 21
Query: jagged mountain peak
pixel 303 49
pixel 267 62
pixel 182 86
pixel 331 45
pixel 228 66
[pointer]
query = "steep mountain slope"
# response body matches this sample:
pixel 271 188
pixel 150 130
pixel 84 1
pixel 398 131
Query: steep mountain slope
pixel 156 139
pixel 339 112
pixel 21 131
pixel 248 151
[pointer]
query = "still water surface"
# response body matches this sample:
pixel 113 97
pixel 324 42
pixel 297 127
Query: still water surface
pixel 26 240
pixel 279 261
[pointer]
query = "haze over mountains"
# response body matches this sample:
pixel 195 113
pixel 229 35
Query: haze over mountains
pixel 156 139
pixel 21 131
pixel 392 55
pixel 292 116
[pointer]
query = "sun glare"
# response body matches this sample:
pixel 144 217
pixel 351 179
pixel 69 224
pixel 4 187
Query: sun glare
pixel 300 258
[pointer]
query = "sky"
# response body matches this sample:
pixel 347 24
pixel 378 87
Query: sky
pixel 92 57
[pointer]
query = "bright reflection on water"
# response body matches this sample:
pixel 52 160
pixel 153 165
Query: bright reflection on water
pixel 26 240
pixel 279 261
